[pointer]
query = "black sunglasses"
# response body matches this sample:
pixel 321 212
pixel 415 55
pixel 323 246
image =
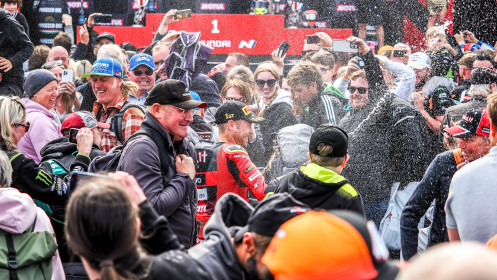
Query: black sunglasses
pixel 270 83
pixel 361 90
pixel 147 72
pixel 26 126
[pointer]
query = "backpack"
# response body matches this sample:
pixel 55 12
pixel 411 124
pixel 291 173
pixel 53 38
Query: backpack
pixel 109 162
pixel 116 124
pixel 27 255
pixel 290 152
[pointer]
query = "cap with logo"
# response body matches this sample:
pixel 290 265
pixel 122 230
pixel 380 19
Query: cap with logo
pixel 419 61
pixel 271 213
pixel 483 76
pixel 235 110
pixel 474 122
pixel 107 35
pixel 172 92
pixel 331 135
pixel 337 243
pixel 141 59
pixel 82 119
pixel 106 66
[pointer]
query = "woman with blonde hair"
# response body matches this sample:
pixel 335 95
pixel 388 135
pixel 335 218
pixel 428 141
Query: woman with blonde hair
pixel 107 243
pixel 236 90
pixel 276 105
pixel 37 180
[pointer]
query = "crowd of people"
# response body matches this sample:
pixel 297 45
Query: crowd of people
pixel 121 164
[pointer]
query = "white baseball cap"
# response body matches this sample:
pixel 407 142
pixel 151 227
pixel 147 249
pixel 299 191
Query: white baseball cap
pixel 419 61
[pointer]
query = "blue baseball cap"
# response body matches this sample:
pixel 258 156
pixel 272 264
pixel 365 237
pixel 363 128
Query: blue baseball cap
pixel 141 59
pixel 106 67
pixel 195 97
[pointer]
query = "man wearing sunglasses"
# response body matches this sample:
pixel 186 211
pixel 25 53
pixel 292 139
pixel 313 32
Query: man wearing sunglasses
pixel 142 72
pixel 164 166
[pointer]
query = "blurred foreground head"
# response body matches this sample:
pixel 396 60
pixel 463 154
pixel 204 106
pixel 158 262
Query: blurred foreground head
pixel 454 261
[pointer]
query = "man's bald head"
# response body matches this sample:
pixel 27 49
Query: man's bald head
pixel 59 53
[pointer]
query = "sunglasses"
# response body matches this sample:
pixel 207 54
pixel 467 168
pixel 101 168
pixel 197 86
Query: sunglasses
pixel 185 112
pixel 26 126
pixel 50 65
pixel 270 83
pixel 361 90
pixel 147 72
pixel 241 99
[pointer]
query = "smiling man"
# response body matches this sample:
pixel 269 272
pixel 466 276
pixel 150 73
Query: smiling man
pixel 142 72
pixel 227 167
pixel 112 94
pixel 167 180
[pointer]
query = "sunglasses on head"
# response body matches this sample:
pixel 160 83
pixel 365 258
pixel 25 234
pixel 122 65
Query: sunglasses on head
pixel 361 90
pixel 270 83
pixel 147 72
pixel 26 126
pixel 50 65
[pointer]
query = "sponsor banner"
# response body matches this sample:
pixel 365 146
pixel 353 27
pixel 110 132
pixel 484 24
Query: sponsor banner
pixel 77 4
pixel 248 34
pixel 213 6
pixel 343 8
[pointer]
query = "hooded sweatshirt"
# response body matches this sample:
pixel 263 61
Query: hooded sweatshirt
pixel 44 127
pixel 320 187
pixel 18 213
pixel 217 254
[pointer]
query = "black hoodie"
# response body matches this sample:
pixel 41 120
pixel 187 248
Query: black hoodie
pixel 65 152
pixel 321 188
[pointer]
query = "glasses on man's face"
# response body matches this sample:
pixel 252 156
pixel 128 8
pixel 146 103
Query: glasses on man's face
pixel 26 126
pixel 261 83
pixel 185 112
pixel 323 70
pixel 147 72
pixel 361 90
pixel 50 65
pixel 241 99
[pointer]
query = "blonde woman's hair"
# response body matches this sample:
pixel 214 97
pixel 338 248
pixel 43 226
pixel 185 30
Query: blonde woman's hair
pixel 271 68
pixel 128 87
pixel 12 110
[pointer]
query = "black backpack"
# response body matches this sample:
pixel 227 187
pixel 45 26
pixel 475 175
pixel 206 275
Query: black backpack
pixel 109 162
pixel 116 124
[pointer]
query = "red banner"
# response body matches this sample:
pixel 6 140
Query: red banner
pixel 248 34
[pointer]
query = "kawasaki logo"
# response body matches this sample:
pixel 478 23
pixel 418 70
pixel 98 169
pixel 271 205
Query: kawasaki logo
pixel 250 44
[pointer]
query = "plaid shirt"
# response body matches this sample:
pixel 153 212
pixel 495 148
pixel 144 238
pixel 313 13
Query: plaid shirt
pixel 132 121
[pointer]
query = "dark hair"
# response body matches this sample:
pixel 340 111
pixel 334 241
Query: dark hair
pixel 62 39
pixel 127 46
pixel 485 55
pixel 19 2
pixel 324 58
pixel 101 227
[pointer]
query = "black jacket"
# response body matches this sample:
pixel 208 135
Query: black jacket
pixel 22 21
pixel 14 46
pixel 324 108
pixel 434 186
pixel 321 188
pixel 65 152
pixel 173 194
pixel 166 259
pixel 217 254
pixel 385 140
pixel 38 181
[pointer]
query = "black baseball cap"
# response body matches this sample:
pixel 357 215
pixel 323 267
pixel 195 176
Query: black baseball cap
pixel 107 35
pixel 474 122
pixel 483 76
pixel 271 213
pixel 331 135
pixel 173 92
pixel 235 110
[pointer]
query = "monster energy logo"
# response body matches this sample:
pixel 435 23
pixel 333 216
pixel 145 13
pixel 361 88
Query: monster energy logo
pixel 44 177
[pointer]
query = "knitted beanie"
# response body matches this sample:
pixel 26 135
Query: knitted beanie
pixel 36 80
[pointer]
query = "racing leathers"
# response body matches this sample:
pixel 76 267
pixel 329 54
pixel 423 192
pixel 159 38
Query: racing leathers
pixel 224 168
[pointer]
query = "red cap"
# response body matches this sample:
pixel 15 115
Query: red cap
pixel 82 119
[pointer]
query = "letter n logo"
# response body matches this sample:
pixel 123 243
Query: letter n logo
pixel 250 44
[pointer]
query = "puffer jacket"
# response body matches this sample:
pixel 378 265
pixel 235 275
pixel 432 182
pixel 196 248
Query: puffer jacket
pixel 173 194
